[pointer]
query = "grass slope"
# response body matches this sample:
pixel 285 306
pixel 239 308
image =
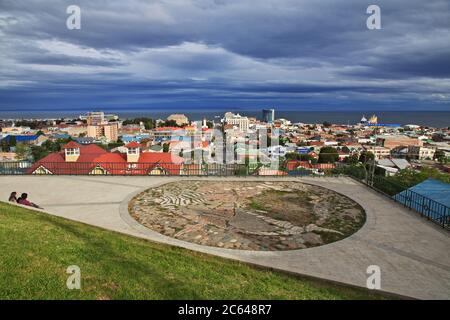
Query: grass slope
pixel 36 249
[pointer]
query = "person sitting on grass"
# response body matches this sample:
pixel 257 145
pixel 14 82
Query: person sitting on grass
pixel 24 201
pixel 13 197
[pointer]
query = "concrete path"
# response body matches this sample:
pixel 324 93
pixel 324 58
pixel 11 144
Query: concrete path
pixel 413 254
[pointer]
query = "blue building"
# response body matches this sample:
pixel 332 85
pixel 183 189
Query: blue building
pixel 303 150
pixel 127 138
pixel 22 138
pixel 268 115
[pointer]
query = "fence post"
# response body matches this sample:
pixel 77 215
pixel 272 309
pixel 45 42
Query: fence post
pixel 423 206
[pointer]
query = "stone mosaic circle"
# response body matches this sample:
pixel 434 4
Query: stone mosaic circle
pixel 248 215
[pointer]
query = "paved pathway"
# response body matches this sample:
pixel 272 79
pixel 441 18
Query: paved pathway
pixel 413 254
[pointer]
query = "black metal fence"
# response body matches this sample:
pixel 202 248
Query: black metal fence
pixel 428 208
pixel 143 169
pixel 14 168
pixel 432 210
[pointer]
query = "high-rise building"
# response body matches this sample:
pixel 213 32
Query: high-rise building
pixel 268 115
pixel 111 131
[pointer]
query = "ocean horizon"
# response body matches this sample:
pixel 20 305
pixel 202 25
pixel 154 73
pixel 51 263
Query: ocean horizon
pixel 438 119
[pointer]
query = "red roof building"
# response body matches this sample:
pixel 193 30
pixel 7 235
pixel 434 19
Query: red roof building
pixel 133 144
pixel 168 129
pixel 76 159
pixel 316 143
pixel 73 144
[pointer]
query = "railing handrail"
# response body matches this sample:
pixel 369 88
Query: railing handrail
pixel 421 195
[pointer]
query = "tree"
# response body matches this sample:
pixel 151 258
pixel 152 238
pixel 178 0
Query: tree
pixel 440 157
pixel 38 152
pixel 12 141
pixel 169 123
pixel 345 149
pixel 328 155
pixel 368 161
pixel 32 124
pixel 353 159
pixel 283 141
pixel 298 156
pixel 113 145
pixel 4 145
pixel 327 124
pixel 22 151
pixel 410 177
pixel 438 137
pixel 166 147
pixel 366 157
pixel 149 123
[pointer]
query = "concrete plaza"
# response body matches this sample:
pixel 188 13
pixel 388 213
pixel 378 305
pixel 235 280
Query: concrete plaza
pixel 413 253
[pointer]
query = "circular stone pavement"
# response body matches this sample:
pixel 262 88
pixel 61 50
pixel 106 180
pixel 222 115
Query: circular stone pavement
pixel 248 215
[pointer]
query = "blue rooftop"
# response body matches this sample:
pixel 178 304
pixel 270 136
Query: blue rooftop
pixel 22 138
pixel 126 138
pixel 431 198
pixel 61 136
pixel 435 190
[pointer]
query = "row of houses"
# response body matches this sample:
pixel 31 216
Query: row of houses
pixel 91 159
pixel 78 159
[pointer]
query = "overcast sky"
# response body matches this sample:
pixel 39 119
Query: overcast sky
pixel 196 54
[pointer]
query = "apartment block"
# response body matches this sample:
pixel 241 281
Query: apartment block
pixel 110 131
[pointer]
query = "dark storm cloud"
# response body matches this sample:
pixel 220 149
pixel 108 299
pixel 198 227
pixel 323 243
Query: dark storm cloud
pixel 61 59
pixel 407 64
pixel 173 51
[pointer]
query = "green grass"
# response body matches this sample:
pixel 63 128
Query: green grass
pixel 36 249
pixel 256 205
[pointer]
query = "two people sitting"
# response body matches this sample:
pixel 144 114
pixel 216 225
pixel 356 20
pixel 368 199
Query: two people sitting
pixel 23 200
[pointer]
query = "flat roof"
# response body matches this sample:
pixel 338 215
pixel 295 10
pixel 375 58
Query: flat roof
pixel 434 189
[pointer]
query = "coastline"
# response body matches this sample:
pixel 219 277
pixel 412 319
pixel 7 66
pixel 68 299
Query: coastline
pixel 438 119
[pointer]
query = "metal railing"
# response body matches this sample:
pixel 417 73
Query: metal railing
pixel 141 169
pixel 432 210
pixel 14 168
